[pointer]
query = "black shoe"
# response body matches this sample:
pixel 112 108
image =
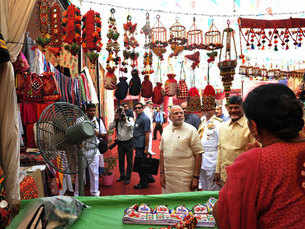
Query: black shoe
pixel 151 180
pixel 127 181
pixel 140 186
pixel 120 179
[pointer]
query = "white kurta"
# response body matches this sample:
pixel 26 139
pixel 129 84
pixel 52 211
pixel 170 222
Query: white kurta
pixel 179 146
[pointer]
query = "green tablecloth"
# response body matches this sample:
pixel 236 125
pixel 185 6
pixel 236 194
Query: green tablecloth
pixel 107 212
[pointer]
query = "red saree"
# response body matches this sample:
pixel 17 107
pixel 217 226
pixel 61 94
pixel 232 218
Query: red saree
pixel 263 189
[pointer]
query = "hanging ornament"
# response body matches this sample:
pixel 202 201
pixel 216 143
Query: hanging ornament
pixel 182 91
pixel 146 29
pixel 257 33
pixel 44 39
pixel 147 62
pixel 213 38
pixel 194 38
pixel 158 39
pixel 195 58
pixel 91 35
pixel 171 83
pixel 71 23
pixel 227 61
pixel 130 44
pixel 56 27
pixel 208 98
pixel 193 101
pixel 177 38
pixel 113 48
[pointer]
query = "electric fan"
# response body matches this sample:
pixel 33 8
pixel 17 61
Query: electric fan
pixel 64 132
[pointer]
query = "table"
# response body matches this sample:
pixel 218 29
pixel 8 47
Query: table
pixel 107 211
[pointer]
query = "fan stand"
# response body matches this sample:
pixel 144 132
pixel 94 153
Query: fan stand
pixel 80 172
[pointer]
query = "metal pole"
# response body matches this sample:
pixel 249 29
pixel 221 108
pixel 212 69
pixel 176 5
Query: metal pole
pixel 98 92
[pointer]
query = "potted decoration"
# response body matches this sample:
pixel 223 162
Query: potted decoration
pixel 108 176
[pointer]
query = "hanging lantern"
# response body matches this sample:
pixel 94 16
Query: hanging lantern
pixel 213 38
pixel 194 38
pixel 177 38
pixel 159 39
pixel 227 62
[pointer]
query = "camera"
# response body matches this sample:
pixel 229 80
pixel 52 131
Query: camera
pixel 121 114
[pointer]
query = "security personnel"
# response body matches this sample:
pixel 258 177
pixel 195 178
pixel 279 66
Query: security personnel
pixel 208 131
pixel 141 134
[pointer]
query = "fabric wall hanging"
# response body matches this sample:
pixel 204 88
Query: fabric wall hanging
pixel 21 64
pixel 55 28
pixel 147 88
pixel 135 83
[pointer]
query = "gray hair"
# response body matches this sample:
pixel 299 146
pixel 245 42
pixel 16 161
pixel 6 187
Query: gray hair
pixel 173 107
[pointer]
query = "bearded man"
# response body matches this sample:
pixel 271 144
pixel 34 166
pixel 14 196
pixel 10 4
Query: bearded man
pixel 180 155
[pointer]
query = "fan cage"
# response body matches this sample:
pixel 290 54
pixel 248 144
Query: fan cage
pixel 51 131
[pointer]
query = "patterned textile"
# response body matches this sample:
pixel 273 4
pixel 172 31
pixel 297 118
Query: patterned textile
pixel 21 64
pixel 28 188
pixel 182 91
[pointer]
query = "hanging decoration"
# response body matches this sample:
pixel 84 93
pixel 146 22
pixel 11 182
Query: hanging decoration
pixel 147 62
pixel 171 83
pixel 258 33
pixel 158 94
pixel 44 39
pixel 146 29
pixel 193 101
pixel 212 38
pixel 91 35
pixel 208 98
pixel 182 90
pixel 130 44
pixel 55 29
pixel 158 39
pixel 227 61
pixel 195 58
pixel 71 23
pixel 113 49
pixel 194 38
pixel 177 38
pixel 135 83
pixel 146 88
pixel 212 42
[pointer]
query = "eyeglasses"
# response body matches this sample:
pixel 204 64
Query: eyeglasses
pixel 138 108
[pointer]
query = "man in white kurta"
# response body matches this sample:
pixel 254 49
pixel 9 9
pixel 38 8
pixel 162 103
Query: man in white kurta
pixel 180 155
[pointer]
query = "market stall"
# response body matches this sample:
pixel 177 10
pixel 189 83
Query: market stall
pixel 107 212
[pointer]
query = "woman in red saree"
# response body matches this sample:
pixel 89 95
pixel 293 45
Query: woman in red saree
pixel 266 186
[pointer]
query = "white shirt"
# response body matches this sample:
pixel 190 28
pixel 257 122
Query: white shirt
pixel 125 129
pixel 209 132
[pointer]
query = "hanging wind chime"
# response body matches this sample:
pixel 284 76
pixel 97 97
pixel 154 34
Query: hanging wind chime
pixel 194 38
pixel 91 35
pixel 227 61
pixel 71 23
pixel 158 39
pixel 212 42
pixel 177 38
pixel 148 56
pixel 113 49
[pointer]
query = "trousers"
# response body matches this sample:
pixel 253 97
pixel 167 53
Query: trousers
pixel 158 127
pixel 125 150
